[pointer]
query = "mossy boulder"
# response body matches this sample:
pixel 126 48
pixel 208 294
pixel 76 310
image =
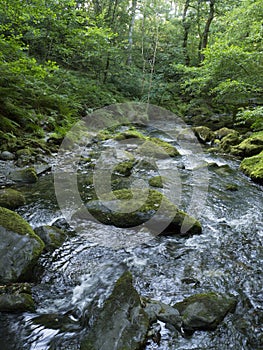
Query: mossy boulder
pixel 250 146
pixel 146 208
pixel 228 141
pixel 25 175
pixel 223 132
pixel 20 247
pixel 52 236
pixel 253 167
pixel 205 311
pixel 122 323
pixel 204 134
pixel 11 199
pixel 16 298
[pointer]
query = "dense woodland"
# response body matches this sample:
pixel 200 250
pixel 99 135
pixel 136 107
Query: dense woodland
pixel 59 59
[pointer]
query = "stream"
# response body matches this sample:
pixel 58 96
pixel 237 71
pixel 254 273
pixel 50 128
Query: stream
pixel 76 278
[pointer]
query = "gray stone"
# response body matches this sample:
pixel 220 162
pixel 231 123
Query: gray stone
pixel 7 155
pixel 205 311
pixel 122 323
pixel 20 247
pixel 52 236
pixel 157 310
pixel 11 199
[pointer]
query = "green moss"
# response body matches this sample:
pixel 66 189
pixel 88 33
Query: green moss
pixel 250 146
pixel 26 175
pixel 135 209
pixel 169 149
pixel 253 167
pixel 130 134
pixel 231 187
pixel 14 222
pixel 11 199
pixel 156 181
pixel 204 134
pixel 124 168
pixel 228 141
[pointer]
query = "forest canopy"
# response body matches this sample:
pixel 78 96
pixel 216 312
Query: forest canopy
pixel 61 58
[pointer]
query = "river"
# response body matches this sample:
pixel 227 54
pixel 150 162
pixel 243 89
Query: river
pixel 227 257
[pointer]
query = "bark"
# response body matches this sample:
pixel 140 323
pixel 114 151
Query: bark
pixel 130 37
pixel 186 27
pixel 205 36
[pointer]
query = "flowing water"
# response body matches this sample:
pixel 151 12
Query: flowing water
pixel 76 278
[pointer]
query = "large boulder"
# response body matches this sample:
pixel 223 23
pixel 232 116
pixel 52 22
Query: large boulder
pixel 122 323
pixel 145 210
pixel 250 146
pixel 20 247
pixel 253 167
pixel 10 198
pixel 205 311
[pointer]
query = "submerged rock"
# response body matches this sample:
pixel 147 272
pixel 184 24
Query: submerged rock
pixel 11 199
pixel 156 181
pixel 122 323
pixel 16 298
pixel 205 311
pixel 20 247
pixel 123 215
pixel 52 236
pixel 253 167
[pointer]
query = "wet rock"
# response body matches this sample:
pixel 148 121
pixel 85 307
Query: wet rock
pixel 126 208
pixel 20 247
pixel 64 323
pixel 5 155
pixel 25 175
pixel 253 167
pixel 205 311
pixel 204 134
pixel 11 199
pixel 157 310
pixel 122 323
pixel 250 146
pixel 16 298
pixel 52 236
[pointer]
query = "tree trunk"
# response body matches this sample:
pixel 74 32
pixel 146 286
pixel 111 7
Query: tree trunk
pixel 186 27
pixel 205 36
pixel 130 37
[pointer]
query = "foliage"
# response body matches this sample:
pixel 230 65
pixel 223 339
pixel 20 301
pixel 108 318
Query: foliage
pixel 253 117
